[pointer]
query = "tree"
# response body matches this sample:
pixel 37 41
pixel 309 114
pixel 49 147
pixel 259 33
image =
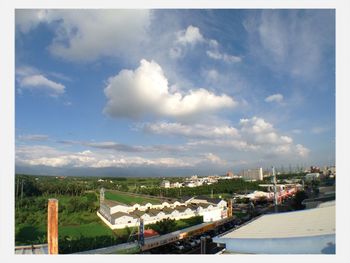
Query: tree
pixel 164 226
pixel 299 197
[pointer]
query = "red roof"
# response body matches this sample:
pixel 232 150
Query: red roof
pixel 150 233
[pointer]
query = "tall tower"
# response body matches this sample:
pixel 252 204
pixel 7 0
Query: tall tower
pixel 102 195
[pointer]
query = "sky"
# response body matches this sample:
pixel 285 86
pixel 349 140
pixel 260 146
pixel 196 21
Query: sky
pixel 173 92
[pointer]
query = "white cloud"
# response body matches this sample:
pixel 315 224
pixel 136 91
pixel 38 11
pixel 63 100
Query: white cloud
pixel 33 137
pixel 259 131
pixel 302 151
pixel 215 159
pixel 40 82
pixel 85 35
pixel 212 75
pixel 274 98
pixel 191 36
pixel 52 157
pixel 215 54
pixel 253 135
pixel 319 130
pixel 146 91
pixel 27 19
pixel 195 130
pixel 296 43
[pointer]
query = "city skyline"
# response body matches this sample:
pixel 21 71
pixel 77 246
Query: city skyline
pixel 173 92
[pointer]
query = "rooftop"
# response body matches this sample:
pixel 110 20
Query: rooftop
pixel 208 199
pixel 311 222
pixel 32 249
pixel 310 231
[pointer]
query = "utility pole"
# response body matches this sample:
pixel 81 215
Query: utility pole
pixel 275 189
pixel 52 226
pixel 203 245
pixel 141 233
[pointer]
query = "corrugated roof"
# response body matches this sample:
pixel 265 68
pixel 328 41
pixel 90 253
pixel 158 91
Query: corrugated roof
pixel 111 203
pixel 208 199
pixel 137 213
pixel 120 214
pixel 31 249
pixel 204 205
pixel 305 223
pixel 181 208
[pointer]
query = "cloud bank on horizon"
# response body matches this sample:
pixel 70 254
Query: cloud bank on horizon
pixel 174 91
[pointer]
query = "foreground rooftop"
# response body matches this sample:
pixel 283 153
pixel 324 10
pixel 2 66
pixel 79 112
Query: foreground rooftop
pixel 298 232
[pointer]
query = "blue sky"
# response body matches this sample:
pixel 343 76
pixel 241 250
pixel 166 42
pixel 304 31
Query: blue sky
pixel 173 92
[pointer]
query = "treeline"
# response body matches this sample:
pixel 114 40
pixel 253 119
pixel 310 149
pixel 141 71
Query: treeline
pixel 222 186
pixel 26 186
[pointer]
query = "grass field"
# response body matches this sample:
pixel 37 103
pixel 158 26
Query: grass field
pixel 130 199
pixel 88 230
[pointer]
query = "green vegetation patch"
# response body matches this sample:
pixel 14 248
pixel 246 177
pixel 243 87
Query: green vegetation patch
pixel 87 230
pixel 130 199
pixel 169 225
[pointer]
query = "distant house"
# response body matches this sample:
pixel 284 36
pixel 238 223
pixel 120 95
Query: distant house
pixel 165 184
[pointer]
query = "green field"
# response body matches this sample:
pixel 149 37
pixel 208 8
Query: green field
pixel 129 199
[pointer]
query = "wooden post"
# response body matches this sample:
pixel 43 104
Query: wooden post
pixel 52 226
pixel 230 208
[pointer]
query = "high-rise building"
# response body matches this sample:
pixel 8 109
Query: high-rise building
pixel 253 174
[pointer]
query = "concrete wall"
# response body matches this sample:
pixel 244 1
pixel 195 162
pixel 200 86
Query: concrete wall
pixel 212 215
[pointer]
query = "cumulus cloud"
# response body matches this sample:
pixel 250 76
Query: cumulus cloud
pixel 48 156
pixel 240 145
pixel 274 98
pixel 40 82
pixel 191 36
pixel 30 78
pixel 302 151
pixel 195 130
pixel 260 131
pixel 146 91
pixel 85 35
pixel 254 135
pixel 215 159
